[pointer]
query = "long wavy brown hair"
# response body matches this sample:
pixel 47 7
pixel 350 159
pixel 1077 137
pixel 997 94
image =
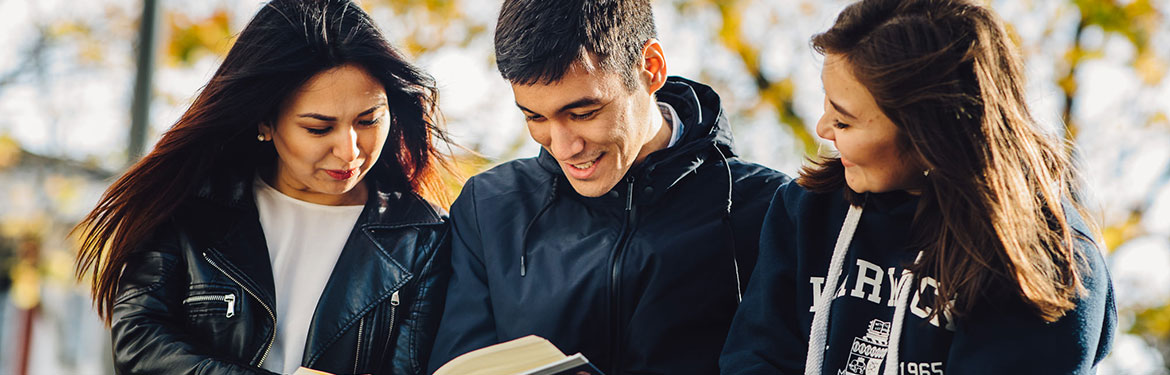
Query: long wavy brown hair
pixel 992 211
pixel 285 44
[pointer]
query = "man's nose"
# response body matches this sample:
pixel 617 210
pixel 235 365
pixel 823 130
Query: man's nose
pixel 565 144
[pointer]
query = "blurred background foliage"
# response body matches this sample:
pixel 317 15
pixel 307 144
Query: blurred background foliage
pixel 1097 76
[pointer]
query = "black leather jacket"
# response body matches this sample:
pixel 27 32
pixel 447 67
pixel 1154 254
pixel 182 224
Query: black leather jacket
pixel 198 297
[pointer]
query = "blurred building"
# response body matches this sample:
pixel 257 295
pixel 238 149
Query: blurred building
pixel 47 324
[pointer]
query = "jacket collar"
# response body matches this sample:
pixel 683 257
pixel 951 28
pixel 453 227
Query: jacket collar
pixel 367 272
pixel 233 190
pixel 706 135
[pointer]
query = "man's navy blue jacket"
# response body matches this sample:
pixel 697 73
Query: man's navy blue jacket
pixel 641 280
pixel 1001 336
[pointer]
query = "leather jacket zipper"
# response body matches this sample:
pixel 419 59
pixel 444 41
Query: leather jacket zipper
pixel 390 331
pixel 357 351
pixel 615 279
pixel 271 316
pixel 393 309
pixel 394 301
pixel 230 298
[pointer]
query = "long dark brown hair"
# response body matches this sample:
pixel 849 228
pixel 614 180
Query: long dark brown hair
pixel 991 215
pixel 285 44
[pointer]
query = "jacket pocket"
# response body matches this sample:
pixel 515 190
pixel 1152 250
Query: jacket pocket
pixel 209 301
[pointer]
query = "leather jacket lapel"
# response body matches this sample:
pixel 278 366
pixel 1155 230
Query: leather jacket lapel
pixel 366 273
pixel 244 252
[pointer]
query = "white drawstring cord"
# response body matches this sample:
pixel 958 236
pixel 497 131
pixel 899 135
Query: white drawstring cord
pixel 820 323
pixel 903 300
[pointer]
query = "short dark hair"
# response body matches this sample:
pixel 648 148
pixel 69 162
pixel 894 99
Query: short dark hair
pixel 538 40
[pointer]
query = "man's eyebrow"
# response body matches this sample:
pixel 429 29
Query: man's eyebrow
pixel 525 109
pixel 583 102
pixel 841 109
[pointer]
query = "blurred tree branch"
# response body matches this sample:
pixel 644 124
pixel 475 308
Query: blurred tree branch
pixel 778 93
pixel 1136 21
pixel 32 58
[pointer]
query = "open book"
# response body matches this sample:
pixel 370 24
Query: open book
pixel 528 355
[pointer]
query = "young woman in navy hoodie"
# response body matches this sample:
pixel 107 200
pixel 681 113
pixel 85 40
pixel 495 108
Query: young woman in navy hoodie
pixel 946 237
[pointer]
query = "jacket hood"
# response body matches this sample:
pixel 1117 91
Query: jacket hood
pixel 701 110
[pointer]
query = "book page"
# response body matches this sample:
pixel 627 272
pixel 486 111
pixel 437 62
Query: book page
pixel 575 364
pixel 506 358
pixel 308 371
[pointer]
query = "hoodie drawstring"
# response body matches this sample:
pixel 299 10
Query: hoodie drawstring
pixel 730 228
pixel 820 324
pixel 899 315
pixel 524 246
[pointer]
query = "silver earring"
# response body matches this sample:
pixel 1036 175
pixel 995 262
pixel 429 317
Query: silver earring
pixel 260 137
pixel 926 173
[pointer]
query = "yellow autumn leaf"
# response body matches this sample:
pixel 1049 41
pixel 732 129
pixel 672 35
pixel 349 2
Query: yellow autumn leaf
pixel 1155 321
pixel 1068 84
pixel 807 8
pixel 67 28
pixel 1118 234
pixel 26 285
pixel 27 226
pixel 1150 68
pixel 92 52
pixel 58 266
pixel 1159 119
pixel 9 151
pixel 189 39
pixel 63 190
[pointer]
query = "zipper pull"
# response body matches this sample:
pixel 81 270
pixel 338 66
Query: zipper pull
pixel 394 299
pixel 231 308
pixel 630 193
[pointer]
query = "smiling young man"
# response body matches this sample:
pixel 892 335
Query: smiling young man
pixel 630 236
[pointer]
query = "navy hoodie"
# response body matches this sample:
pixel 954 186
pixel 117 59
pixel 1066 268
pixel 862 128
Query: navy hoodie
pixel 770 332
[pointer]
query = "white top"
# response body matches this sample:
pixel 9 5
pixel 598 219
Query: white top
pixel 676 125
pixel 304 241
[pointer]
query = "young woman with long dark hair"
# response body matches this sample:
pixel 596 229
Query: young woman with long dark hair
pixel 946 237
pixel 281 222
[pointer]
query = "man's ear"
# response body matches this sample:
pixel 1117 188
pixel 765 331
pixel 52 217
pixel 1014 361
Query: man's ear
pixel 653 67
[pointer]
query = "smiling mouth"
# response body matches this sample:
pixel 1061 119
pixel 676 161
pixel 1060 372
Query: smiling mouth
pixel 341 174
pixel 585 165
pixel 582 171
